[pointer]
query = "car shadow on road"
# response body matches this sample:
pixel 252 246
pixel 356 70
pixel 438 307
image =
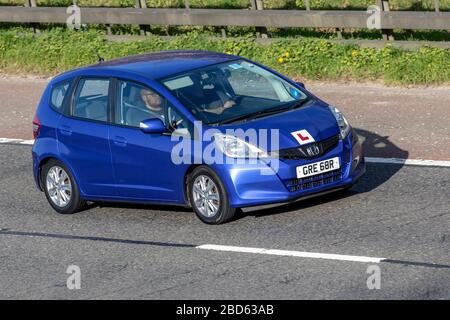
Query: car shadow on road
pixel 375 145
pixel 139 206
pixel 377 174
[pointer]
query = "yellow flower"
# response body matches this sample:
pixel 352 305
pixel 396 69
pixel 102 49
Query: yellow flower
pixel 354 53
pixel 280 60
pixel 286 54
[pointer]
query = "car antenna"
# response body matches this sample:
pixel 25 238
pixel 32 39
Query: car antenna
pixel 99 57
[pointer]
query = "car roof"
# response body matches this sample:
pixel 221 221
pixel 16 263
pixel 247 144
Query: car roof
pixel 161 64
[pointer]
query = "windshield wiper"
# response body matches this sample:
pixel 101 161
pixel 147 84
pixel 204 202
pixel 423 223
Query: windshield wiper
pixel 300 103
pixel 265 112
pixel 233 119
pixel 254 115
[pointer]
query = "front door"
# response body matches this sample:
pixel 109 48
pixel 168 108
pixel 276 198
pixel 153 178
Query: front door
pixel 142 162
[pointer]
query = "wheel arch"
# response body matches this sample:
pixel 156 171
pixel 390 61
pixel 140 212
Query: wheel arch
pixel 48 158
pixel 187 176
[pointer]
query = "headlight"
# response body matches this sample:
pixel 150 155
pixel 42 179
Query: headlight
pixel 342 122
pixel 234 147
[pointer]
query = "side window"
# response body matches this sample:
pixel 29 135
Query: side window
pixel 58 93
pixel 136 103
pixel 91 99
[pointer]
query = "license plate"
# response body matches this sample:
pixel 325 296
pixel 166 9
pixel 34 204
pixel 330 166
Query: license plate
pixel 318 167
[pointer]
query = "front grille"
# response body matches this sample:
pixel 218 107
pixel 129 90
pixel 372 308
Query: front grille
pixel 314 181
pixel 302 152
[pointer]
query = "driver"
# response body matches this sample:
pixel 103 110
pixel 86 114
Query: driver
pixel 153 103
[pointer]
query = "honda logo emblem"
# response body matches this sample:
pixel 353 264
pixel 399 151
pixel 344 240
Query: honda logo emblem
pixel 313 150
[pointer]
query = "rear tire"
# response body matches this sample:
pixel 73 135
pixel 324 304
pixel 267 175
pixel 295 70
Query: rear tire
pixel 208 197
pixel 60 188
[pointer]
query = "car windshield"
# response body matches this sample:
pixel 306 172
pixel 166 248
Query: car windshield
pixel 233 91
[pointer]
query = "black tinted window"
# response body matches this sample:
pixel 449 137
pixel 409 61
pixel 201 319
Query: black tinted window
pixel 59 91
pixel 91 99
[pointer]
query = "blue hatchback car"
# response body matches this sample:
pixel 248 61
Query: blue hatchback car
pixel 212 131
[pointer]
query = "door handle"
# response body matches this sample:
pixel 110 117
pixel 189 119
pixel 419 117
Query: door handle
pixel 120 141
pixel 65 130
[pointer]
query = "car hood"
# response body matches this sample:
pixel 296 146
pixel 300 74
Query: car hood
pixel 315 118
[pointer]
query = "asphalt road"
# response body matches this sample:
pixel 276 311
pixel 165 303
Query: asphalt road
pixel 394 212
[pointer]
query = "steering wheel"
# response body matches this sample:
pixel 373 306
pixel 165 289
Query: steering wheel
pixel 173 123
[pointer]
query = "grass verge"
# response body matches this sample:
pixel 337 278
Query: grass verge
pixel 59 50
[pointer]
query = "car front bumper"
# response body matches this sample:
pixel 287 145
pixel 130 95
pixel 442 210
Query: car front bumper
pixel 259 183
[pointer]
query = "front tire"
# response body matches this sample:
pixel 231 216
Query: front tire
pixel 60 188
pixel 208 197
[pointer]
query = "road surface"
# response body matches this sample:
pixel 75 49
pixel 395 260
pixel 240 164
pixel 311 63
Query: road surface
pixel 399 213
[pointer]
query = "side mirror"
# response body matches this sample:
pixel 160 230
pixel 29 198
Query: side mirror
pixel 154 125
pixel 301 84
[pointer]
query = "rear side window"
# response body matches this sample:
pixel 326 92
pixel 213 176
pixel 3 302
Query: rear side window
pixel 59 91
pixel 91 99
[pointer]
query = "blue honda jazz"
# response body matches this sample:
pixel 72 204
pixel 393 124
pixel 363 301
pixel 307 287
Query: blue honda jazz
pixel 212 131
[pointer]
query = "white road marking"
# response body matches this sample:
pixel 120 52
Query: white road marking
pixel 29 142
pixel 410 162
pixel 407 162
pixel 16 141
pixel 299 254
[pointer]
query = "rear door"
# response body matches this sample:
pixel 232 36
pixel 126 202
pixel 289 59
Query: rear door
pixel 83 137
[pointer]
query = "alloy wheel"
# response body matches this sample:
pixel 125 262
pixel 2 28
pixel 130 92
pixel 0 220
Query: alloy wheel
pixel 206 196
pixel 59 186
